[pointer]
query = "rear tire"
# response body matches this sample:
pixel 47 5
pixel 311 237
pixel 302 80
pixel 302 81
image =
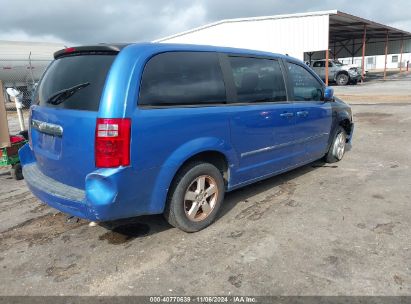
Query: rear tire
pixel 16 172
pixel 195 197
pixel 337 148
pixel 342 79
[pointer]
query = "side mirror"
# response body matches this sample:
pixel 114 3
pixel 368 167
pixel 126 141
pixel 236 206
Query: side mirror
pixel 329 94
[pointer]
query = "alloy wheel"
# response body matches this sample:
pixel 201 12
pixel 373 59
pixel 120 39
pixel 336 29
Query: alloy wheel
pixel 200 198
pixel 339 146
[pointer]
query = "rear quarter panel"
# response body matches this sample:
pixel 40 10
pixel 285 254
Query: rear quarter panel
pixel 163 139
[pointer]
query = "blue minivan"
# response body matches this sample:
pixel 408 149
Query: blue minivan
pixel 118 131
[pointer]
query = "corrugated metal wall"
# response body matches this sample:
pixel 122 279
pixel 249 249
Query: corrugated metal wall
pixel 293 36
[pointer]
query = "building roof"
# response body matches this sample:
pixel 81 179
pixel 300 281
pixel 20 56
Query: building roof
pixel 343 26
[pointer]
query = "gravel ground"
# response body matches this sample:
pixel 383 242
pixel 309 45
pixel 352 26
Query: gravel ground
pixel 340 229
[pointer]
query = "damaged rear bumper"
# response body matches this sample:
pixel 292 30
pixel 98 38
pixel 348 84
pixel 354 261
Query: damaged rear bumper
pixel 108 194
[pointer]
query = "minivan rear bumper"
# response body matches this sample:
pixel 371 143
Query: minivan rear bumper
pixel 104 197
pixel 62 197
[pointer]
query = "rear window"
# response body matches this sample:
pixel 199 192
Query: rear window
pixel 182 78
pixel 87 73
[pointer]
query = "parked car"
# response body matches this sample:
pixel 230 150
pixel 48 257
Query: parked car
pixel 119 131
pixel 339 73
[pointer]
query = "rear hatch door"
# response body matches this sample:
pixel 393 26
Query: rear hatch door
pixel 63 118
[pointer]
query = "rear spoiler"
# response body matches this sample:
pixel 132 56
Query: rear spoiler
pixel 93 49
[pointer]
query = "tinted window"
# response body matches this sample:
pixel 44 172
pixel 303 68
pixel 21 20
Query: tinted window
pixel 71 71
pixel 258 80
pixel 319 64
pixel 182 78
pixel 305 86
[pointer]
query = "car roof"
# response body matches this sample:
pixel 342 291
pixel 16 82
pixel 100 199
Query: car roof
pixel 161 47
pixel 156 47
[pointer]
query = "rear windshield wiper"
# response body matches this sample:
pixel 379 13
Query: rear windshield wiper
pixel 61 96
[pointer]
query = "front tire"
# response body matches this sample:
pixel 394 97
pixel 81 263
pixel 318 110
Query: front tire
pixel 195 197
pixel 342 79
pixel 337 148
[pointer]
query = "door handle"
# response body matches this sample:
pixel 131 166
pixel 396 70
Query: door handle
pixel 287 114
pixel 302 113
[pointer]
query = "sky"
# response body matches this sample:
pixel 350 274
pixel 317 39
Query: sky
pixel 94 21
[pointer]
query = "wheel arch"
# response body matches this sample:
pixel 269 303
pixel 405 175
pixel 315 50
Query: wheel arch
pixel 341 118
pixel 216 158
pixel 212 150
pixel 342 72
pixel 345 123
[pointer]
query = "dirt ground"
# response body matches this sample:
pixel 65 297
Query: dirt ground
pixel 340 229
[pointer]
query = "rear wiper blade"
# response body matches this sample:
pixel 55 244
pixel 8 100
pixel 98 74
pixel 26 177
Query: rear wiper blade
pixel 61 96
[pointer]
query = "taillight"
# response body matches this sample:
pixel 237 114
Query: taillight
pixel 112 146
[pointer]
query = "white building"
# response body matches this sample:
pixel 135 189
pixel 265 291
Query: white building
pixel 307 36
pixel 24 62
pixel 378 61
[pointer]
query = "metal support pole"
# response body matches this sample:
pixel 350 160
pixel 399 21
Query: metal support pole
pixel 310 55
pixel 327 57
pixel 353 51
pixel 402 49
pixel 386 56
pixel 363 54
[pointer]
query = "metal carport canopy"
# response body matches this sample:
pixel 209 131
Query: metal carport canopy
pixel 343 27
pixel 346 30
pixel 352 36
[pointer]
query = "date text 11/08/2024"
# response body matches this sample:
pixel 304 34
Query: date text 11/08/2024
pixel 203 299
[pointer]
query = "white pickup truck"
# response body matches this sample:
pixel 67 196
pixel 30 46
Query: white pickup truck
pixel 342 74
